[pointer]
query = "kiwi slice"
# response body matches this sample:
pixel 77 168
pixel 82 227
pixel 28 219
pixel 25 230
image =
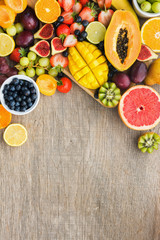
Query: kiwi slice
pixel 148 142
pixel 109 94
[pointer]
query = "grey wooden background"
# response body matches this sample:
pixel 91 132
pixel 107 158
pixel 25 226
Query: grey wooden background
pixel 80 176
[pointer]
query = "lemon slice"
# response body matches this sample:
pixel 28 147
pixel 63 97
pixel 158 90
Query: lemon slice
pixel 7 45
pixel 15 135
pixel 96 32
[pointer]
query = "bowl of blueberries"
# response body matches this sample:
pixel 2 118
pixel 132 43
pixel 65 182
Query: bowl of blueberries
pixel 19 95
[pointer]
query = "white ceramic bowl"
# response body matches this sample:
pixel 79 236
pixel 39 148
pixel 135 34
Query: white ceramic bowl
pixel 23 78
pixel 141 13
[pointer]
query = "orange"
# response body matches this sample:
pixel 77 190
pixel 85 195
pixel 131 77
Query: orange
pixel 47 11
pixel 47 84
pixel 2 2
pixel 5 117
pixel 139 108
pixel 15 135
pixel 17 5
pixel 7 16
pixel 150 33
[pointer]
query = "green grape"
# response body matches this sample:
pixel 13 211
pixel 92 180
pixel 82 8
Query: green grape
pixel 1 30
pixel 53 72
pixel 156 7
pixel 24 61
pixel 30 72
pixel 152 1
pixel 140 1
pixel 44 62
pixel 19 27
pixel 40 71
pixel 22 73
pixel 32 56
pixel 146 6
pixel 11 31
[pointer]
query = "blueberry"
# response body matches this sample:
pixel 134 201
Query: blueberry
pixel 85 23
pixel 33 96
pixel 10 98
pixel 15 94
pixel 61 74
pixel 84 34
pixel 12 103
pixel 15 81
pixel 60 19
pixel 6 87
pixel 21 82
pixel 4 91
pixel 23 97
pixel 5 96
pixel 29 105
pixel 77 32
pixel 78 19
pixel 11 107
pixel 30 85
pixel 10 93
pixel 17 109
pixel 24 88
pixel 27 92
pixel 101 46
pixel 23 103
pixel 28 100
pixel 80 39
pixel 18 99
pixel 56 24
pixel 23 109
pixel 12 88
pixel 17 104
pixel 65 53
pixel 18 87
pixel 33 90
pixel 25 83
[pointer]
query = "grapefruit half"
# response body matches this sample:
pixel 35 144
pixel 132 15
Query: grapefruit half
pixel 139 108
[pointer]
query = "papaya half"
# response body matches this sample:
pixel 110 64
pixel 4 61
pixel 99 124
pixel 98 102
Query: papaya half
pixel 122 41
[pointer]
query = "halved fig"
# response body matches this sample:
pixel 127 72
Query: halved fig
pixel 46 32
pixel 146 54
pixel 41 48
pixel 57 46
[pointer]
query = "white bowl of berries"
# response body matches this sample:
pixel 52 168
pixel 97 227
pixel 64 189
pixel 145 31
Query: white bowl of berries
pixel 19 95
pixel 147 8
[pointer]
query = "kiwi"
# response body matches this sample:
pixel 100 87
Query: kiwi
pixel 109 94
pixel 148 142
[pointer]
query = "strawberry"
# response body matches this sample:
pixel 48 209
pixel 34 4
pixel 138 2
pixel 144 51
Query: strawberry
pixel 101 3
pixel 75 26
pixel 107 4
pixel 68 17
pixel 77 7
pixel 84 2
pixel 59 60
pixel 89 12
pixel 62 31
pixel 68 4
pixel 105 17
pixel 70 41
pixel 60 2
pixel 17 54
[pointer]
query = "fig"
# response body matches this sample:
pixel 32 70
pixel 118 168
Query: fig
pixel 46 32
pixel 24 39
pixel 121 80
pixel 29 20
pixel 138 72
pixel 146 54
pixel 57 46
pixel 41 48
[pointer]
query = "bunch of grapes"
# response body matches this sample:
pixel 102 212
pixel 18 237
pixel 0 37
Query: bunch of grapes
pixel 5 70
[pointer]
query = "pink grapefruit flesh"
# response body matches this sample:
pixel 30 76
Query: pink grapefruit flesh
pixel 139 108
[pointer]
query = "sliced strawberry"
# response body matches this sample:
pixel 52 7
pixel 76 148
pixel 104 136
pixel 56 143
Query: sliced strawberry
pixel 76 26
pixel 60 2
pixel 84 2
pixel 105 17
pixel 77 7
pixel 70 41
pixel 101 3
pixel 68 4
pixel 62 31
pixel 89 13
pixel 107 4
pixel 59 60
pixel 68 17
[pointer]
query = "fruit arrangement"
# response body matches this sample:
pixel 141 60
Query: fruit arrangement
pixel 98 44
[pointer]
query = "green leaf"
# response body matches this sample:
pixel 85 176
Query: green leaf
pixel 23 52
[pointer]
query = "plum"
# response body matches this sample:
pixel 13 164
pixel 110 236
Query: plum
pixel 4 68
pixel 138 72
pixel 121 80
pixel 25 39
pixel 29 19
pixel 2 78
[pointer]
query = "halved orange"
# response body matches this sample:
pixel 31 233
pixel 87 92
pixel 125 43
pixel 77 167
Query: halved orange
pixel 47 11
pixel 7 16
pixel 15 135
pixel 150 33
pixel 5 117
pixel 17 5
pixel 47 84
pixel 2 2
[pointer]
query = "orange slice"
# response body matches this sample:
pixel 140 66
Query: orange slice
pixel 15 135
pixel 17 5
pixel 7 44
pixel 150 33
pixel 7 16
pixel 47 84
pixel 2 2
pixel 47 11
pixel 5 117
